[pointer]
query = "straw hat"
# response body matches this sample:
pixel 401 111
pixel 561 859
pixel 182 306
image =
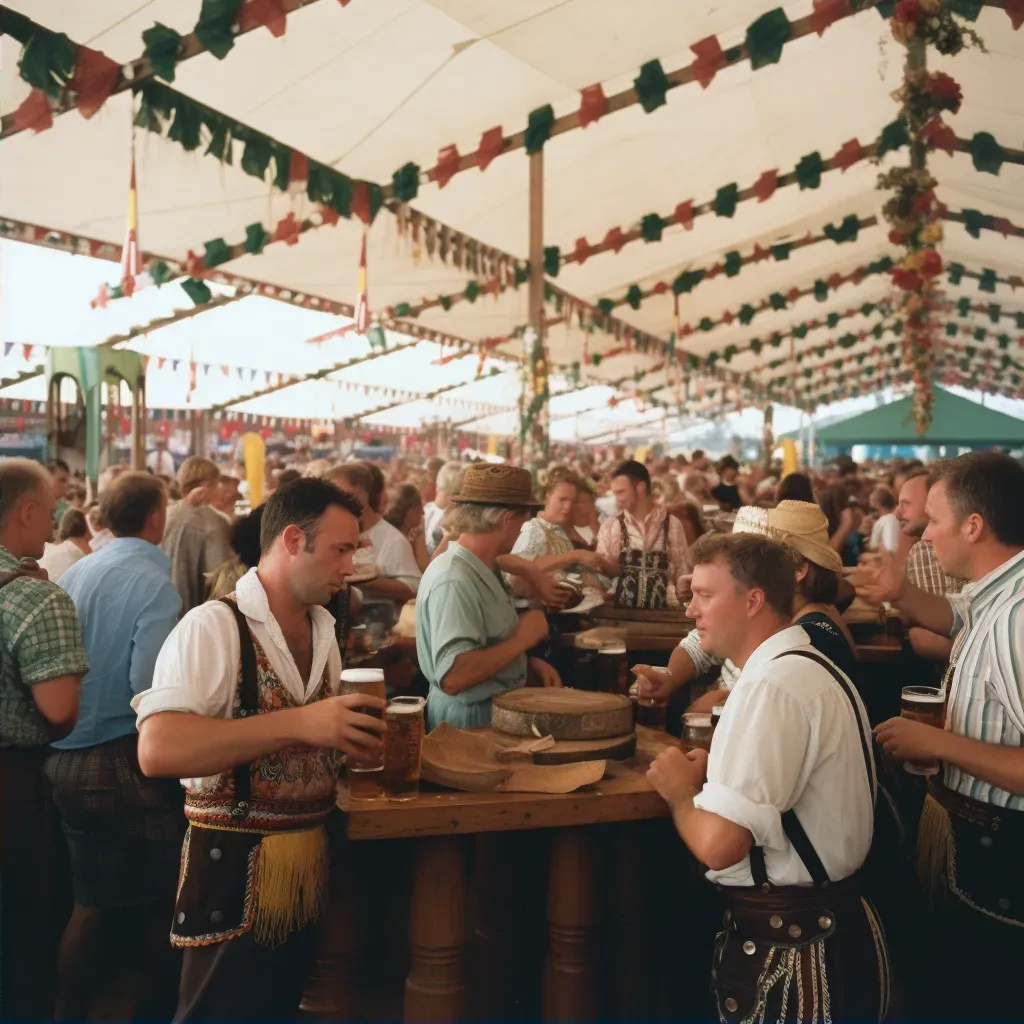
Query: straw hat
pixel 501 484
pixel 800 524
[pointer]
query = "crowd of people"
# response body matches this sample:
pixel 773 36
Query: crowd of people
pixel 166 631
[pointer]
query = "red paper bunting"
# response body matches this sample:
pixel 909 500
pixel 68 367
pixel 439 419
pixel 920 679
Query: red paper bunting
pixel 194 265
pixel 835 280
pixel 298 168
pixel 826 12
pixel 447 165
pixel 939 135
pixel 257 13
pixel 615 240
pixel 361 201
pixel 1003 226
pixel 727 317
pixel 102 298
pixel 26 351
pixel 1015 12
pixel 713 271
pixel 793 294
pixel 490 146
pixel 94 79
pixel 1015 282
pixel 582 251
pixel 710 60
pixel 849 153
pixel 287 230
pixel 34 113
pixel 684 214
pixel 593 105
pixel 765 186
pixel 328 215
pixel 760 253
pixel 660 288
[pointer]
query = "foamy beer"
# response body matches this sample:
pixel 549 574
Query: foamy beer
pixel 365 777
pixel 923 704
pixel 403 744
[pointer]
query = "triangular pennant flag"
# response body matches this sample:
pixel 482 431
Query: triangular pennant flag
pixel 131 254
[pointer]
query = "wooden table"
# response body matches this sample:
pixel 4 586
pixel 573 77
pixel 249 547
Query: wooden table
pixel 437 822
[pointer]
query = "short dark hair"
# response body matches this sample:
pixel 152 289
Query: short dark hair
pixel 302 503
pixel 378 484
pixel 635 471
pixel 795 487
pixel 58 464
pixel 918 471
pixel 754 561
pixel 883 498
pixel 697 453
pixel 129 501
pixel 354 474
pixel 288 476
pixel 727 462
pixel 820 585
pixel 408 497
pixel 245 537
pixel 72 524
pixel 990 484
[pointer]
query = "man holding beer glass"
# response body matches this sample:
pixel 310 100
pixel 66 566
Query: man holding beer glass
pixel 243 708
pixel 972 828
pixel 780 810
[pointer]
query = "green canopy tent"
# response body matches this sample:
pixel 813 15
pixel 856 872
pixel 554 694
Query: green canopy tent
pixel 957 422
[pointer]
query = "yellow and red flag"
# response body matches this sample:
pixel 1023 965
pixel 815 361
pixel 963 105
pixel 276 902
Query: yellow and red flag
pixel 363 302
pixel 131 254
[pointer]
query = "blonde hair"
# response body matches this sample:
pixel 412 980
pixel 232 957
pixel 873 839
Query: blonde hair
pixel 318 467
pixel 449 478
pixel 195 472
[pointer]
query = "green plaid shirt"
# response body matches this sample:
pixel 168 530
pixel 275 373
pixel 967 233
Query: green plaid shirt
pixel 40 639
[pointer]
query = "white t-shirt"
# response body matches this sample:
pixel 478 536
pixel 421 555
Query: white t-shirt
pixel 160 462
pixel 393 554
pixel 885 534
pixel 58 558
pixel 788 738
pixel 197 668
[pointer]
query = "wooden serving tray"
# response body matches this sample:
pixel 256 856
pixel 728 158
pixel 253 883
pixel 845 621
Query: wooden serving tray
pixel 563 713
pixel 614 748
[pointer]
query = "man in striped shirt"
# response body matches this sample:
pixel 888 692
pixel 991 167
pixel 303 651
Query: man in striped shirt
pixel 974 819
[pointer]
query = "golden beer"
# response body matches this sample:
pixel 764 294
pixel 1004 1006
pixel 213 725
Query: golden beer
pixel 364 776
pixel 697 729
pixel 923 704
pixel 403 744
pixel 612 669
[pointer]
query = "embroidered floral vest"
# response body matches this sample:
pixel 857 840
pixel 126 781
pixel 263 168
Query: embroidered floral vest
pixel 290 788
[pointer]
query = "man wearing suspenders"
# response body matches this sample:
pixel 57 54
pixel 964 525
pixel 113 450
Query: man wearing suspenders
pixel 781 811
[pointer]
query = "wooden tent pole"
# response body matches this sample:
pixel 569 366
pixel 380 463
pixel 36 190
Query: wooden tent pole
pixel 533 426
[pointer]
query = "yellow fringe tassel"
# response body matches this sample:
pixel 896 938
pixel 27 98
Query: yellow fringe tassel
pixel 291 880
pixel 933 838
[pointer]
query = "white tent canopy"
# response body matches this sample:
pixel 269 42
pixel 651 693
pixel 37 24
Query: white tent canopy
pixel 371 85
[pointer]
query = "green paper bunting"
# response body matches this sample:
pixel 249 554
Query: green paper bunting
pixel 766 37
pixel 538 128
pixel 402 309
pixel 160 272
pixel 687 281
pixel 552 260
pixel 256 237
pixel 821 290
pixel 706 324
pixel 994 312
pixel 980 333
pixel 800 331
pixel 725 200
pixel 472 290
pixel 187 124
pixel 596 358
pixel 606 306
pixel 832 319
pixel 846 231
pixel 974 221
pixel 651 228
pixel 198 291
pixel 215 253
pixel 781 251
pixel 987 283
pixel 406 182
pixel 47 61
pixel 987 154
pixel 746 314
pixel 651 85
pixel 162 46
pixel 777 300
pixel 215 26
pixel 732 263
pixel 445 301
pixel 220 139
pixel 955 272
pixel 808 171
pixel 256 155
pixel 282 166
pixel 894 136
pixel 755 346
pixel 967 9
pixel 634 296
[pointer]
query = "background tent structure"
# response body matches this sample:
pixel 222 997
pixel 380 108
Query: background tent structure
pixel 957 421
pixel 666 207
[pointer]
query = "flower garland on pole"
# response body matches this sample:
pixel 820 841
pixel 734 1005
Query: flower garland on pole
pixel 913 212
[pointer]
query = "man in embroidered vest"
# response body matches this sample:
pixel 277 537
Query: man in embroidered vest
pixel 971 834
pixel 780 811
pixel 243 708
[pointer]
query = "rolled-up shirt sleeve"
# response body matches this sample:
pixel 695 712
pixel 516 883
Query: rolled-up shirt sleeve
pixel 197 668
pixel 755 762
pixel 702 661
pixel 456 626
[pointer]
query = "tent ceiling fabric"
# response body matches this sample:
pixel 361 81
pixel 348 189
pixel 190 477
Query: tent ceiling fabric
pixel 372 85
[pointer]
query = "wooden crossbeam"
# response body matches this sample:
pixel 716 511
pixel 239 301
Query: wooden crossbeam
pixel 134 72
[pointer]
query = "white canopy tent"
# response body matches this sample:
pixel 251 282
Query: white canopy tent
pixel 367 87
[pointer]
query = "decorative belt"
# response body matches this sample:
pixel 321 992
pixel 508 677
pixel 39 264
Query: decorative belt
pixel 974 811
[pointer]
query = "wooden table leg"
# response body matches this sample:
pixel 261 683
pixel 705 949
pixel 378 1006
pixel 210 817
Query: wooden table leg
pixel 631 928
pixel 331 989
pixel 571 978
pixel 436 989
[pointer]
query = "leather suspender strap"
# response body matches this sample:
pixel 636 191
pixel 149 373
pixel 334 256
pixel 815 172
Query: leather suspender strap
pixel 790 822
pixel 249 704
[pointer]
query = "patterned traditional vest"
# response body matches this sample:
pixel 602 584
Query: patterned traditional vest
pixel 288 789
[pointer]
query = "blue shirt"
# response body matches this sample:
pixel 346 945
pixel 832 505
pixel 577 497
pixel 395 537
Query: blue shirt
pixel 461 605
pixel 127 606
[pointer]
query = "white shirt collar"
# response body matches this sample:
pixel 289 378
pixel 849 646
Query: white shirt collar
pixel 776 644
pixel 1000 573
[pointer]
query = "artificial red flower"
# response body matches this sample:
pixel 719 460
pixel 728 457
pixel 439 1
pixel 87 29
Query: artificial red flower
pixel 897 237
pixel 908 280
pixel 907 11
pixel 930 263
pixel 945 89
pixel 923 202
